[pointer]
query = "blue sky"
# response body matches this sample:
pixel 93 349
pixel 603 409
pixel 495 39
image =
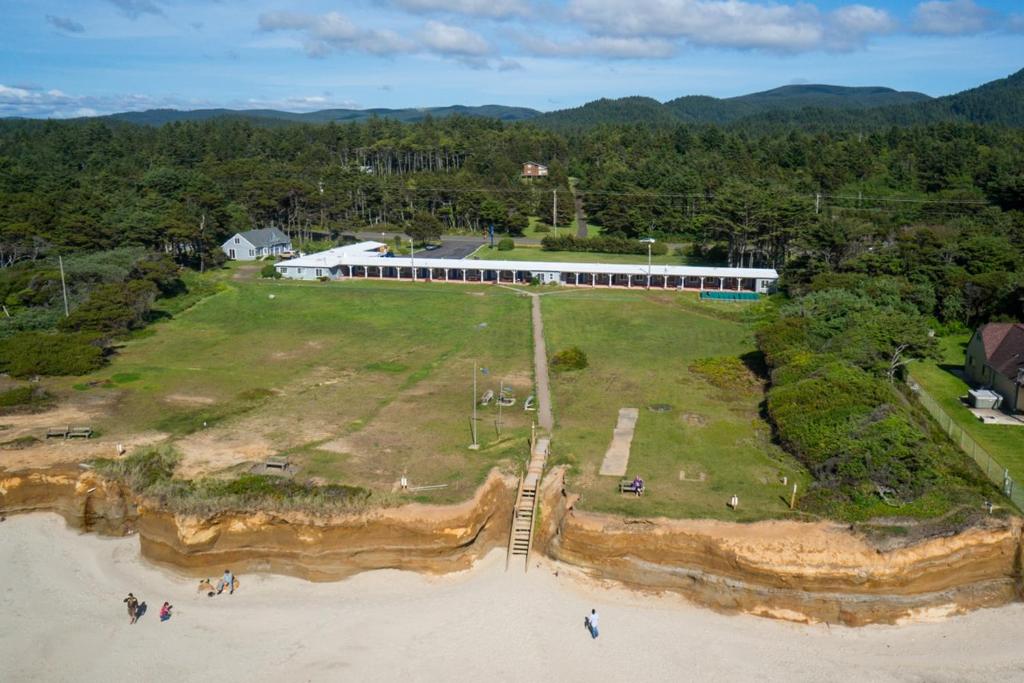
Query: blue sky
pixel 83 57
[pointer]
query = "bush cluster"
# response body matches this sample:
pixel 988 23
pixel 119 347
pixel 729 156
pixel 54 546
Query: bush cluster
pixel 506 244
pixel 603 245
pixel 836 406
pixel 269 271
pixel 27 354
pixel 572 358
pixel 23 398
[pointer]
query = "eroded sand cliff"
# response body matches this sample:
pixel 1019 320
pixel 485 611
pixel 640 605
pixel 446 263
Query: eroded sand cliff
pixel 789 570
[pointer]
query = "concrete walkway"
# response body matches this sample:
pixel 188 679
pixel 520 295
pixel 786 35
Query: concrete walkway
pixel 545 418
pixel 616 459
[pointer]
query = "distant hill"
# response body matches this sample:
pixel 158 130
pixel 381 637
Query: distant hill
pixel 700 109
pixel 999 102
pixel 159 117
pixel 810 106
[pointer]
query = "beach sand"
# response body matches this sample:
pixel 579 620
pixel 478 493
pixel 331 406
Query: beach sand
pixel 62 619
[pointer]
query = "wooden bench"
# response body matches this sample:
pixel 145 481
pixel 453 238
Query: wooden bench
pixel 627 486
pixel 276 462
pixel 57 432
pixel 79 433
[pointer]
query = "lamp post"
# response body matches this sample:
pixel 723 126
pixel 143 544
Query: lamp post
pixel 412 257
pixel 648 241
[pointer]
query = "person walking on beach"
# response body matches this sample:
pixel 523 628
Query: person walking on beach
pixel 591 623
pixel 165 611
pixel 133 608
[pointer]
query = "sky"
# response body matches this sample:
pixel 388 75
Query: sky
pixel 86 57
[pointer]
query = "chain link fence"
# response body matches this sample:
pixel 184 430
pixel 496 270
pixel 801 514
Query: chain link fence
pixel 999 475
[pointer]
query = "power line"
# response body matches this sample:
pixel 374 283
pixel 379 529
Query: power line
pixel 705 196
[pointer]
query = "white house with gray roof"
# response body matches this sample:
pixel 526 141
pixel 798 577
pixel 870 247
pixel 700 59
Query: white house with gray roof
pixel 255 244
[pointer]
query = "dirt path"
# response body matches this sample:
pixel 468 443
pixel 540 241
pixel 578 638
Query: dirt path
pixel 545 418
pixel 581 218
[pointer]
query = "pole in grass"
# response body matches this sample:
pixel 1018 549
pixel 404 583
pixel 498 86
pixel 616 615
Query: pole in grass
pixel 474 446
pixel 648 241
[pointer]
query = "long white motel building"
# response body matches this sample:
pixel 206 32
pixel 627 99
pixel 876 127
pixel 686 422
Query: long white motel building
pixel 369 260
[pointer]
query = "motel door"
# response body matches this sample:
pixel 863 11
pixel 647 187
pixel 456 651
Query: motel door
pixel 231 253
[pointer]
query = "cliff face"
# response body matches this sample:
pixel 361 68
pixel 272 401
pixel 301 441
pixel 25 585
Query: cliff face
pixel 419 537
pixel 791 570
pixel 788 570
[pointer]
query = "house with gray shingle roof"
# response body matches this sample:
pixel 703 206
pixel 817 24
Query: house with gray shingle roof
pixel 995 359
pixel 254 244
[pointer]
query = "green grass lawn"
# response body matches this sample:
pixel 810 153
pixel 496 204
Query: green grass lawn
pixel 640 347
pixel 359 381
pixel 537 254
pixel 1004 443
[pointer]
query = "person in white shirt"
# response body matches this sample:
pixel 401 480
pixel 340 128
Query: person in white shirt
pixel 591 622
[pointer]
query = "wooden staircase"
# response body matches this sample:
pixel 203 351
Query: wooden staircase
pixel 520 539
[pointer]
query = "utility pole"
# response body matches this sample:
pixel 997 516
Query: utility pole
pixel 63 285
pixel 474 446
pixel 817 203
pixel 554 209
pixel 501 395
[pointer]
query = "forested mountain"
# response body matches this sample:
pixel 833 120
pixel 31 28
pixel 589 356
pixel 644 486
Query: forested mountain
pixel 158 117
pixel 818 107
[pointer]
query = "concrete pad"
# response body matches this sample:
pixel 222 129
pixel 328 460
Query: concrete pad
pixel 616 459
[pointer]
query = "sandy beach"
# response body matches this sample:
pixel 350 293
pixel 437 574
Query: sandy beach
pixel 62 619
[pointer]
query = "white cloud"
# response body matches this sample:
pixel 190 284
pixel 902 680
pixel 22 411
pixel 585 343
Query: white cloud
pixel 951 17
pixel 54 103
pixel 850 27
pixel 65 24
pixel 738 24
pixel 322 34
pixel 494 9
pixel 446 39
pixel 613 47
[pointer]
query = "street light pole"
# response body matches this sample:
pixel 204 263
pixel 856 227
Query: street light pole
pixel 648 241
pixel 412 257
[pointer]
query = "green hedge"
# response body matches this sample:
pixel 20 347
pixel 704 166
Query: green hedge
pixel 603 245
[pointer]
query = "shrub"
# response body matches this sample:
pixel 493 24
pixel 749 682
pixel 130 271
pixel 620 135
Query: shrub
pixel 506 245
pixel 572 358
pixel 541 228
pixel 20 399
pixel 113 309
pixel 269 271
pixel 726 372
pixel 35 353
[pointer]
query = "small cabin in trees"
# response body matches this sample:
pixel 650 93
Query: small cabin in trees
pixel 531 169
pixel 254 244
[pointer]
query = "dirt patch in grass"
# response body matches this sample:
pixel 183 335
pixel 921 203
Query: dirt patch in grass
pixel 693 419
pixel 190 400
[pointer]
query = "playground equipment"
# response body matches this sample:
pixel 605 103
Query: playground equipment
pixel 486 399
pixel 530 403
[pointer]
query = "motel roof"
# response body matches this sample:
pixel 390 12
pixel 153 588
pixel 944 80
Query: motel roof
pixel 335 256
pixel 356 255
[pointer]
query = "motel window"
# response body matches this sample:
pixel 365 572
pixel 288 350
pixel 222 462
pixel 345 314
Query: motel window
pixel 250 252
pixel 237 240
pixel 319 272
